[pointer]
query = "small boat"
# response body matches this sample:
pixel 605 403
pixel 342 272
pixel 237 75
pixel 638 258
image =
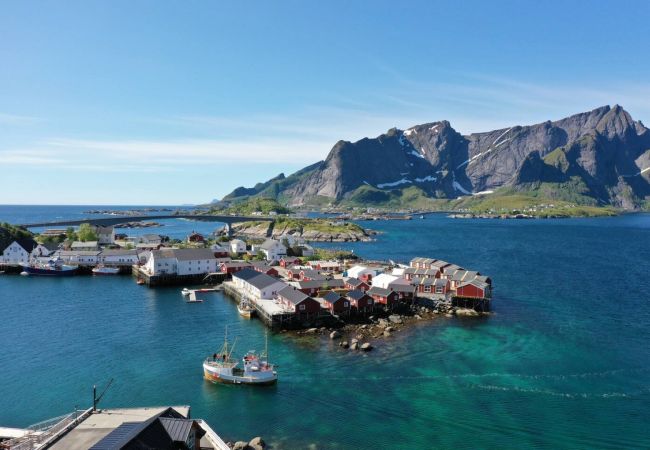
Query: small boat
pixel 53 268
pixel 245 309
pixel 192 298
pixel 185 292
pixel 103 270
pixel 220 368
pixel 421 217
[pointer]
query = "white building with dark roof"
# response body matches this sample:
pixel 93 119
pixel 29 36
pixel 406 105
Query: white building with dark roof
pixel 181 261
pixel 19 251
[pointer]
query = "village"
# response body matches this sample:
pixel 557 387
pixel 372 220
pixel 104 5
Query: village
pixel 286 292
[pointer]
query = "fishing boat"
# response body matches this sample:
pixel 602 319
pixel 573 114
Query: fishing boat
pixel 256 370
pixel 245 309
pixel 103 270
pixel 53 268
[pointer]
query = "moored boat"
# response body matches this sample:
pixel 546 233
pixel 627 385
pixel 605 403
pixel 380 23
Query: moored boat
pixel 245 309
pixel 103 270
pixel 220 368
pixel 53 268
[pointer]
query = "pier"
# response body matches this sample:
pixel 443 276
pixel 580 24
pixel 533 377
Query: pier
pixel 268 311
pixel 173 279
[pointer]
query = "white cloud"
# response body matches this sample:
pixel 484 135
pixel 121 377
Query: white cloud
pixel 14 119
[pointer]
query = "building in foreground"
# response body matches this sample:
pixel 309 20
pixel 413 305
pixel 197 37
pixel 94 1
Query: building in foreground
pixel 128 429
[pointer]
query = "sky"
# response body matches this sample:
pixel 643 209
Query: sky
pixel 167 102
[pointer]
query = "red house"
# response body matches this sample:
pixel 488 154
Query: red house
pixel 360 302
pixel 383 296
pixel 265 268
pixel 474 289
pixel 289 261
pixel 336 304
pixel 405 291
pixel 303 305
pixel 231 267
pixel 326 266
pixel 352 284
pixel 195 237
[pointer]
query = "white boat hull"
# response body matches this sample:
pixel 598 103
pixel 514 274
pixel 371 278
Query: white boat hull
pixel 226 376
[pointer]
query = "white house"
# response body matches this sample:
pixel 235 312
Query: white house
pixel 256 284
pixel 18 251
pixel 273 250
pixel 79 257
pixel 43 250
pixel 383 280
pixel 358 271
pixel 181 261
pixel 105 235
pixel 237 246
pixel 118 257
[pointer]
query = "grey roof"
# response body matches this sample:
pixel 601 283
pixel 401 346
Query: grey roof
pixel 400 287
pixel 270 243
pixel 328 284
pixel 354 282
pixel 177 429
pixel 428 281
pixel 458 275
pixel 119 252
pixel 237 264
pixel 293 295
pixel 356 294
pixel 440 282
pixel 440 263
pixel 255 278
pixel 332 297
pixel 187 254
pixel 28 244
pixel 476 283
pixel 379 291
pixel 484 279
pixel 84 244
pixel 79 252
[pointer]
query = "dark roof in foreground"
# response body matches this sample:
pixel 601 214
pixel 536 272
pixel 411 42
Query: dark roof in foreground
pixel 356 294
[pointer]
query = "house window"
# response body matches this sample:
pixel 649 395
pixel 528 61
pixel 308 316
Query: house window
pixel 301 307
pixel 346 304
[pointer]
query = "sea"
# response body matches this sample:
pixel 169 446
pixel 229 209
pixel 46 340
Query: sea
pixel 563 361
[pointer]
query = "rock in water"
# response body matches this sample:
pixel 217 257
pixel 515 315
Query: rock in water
pixel 257 441
pixel 366 347
pixel 240 445
pixel 335 335
pixel 344 344
pixel 386 333
pixel 354 346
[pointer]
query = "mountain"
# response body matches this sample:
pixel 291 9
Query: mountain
pixel 601 157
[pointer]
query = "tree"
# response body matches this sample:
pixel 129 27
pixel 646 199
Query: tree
pixel 86 233
pixel 70 234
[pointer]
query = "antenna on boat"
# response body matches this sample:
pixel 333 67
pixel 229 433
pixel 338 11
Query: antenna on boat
pixel 232 348
pixel 97 399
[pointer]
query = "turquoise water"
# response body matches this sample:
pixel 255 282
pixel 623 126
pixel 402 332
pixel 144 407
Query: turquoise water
pixel 562 363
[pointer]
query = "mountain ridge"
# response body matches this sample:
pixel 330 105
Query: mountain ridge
pixel 603 151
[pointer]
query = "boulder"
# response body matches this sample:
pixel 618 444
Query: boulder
pixel 394 318
pixel 354 346
pixel 383 322
pixel 354 341
pixel 344 344
pixel 335 335
pixel 311 330
pixel 387 333
pixel 257 441
pixel 418 317
pixel 466 312
pixel 240 445
pixel 389 329
pixel 366 347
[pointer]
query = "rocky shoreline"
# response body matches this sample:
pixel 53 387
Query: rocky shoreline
pixel 360 336
pixel 138 225
pixel 266 230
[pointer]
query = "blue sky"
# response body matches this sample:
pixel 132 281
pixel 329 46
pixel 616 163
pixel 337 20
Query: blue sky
pixel 154 102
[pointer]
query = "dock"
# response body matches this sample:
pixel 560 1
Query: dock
pixel 274 315
pixel 173 279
